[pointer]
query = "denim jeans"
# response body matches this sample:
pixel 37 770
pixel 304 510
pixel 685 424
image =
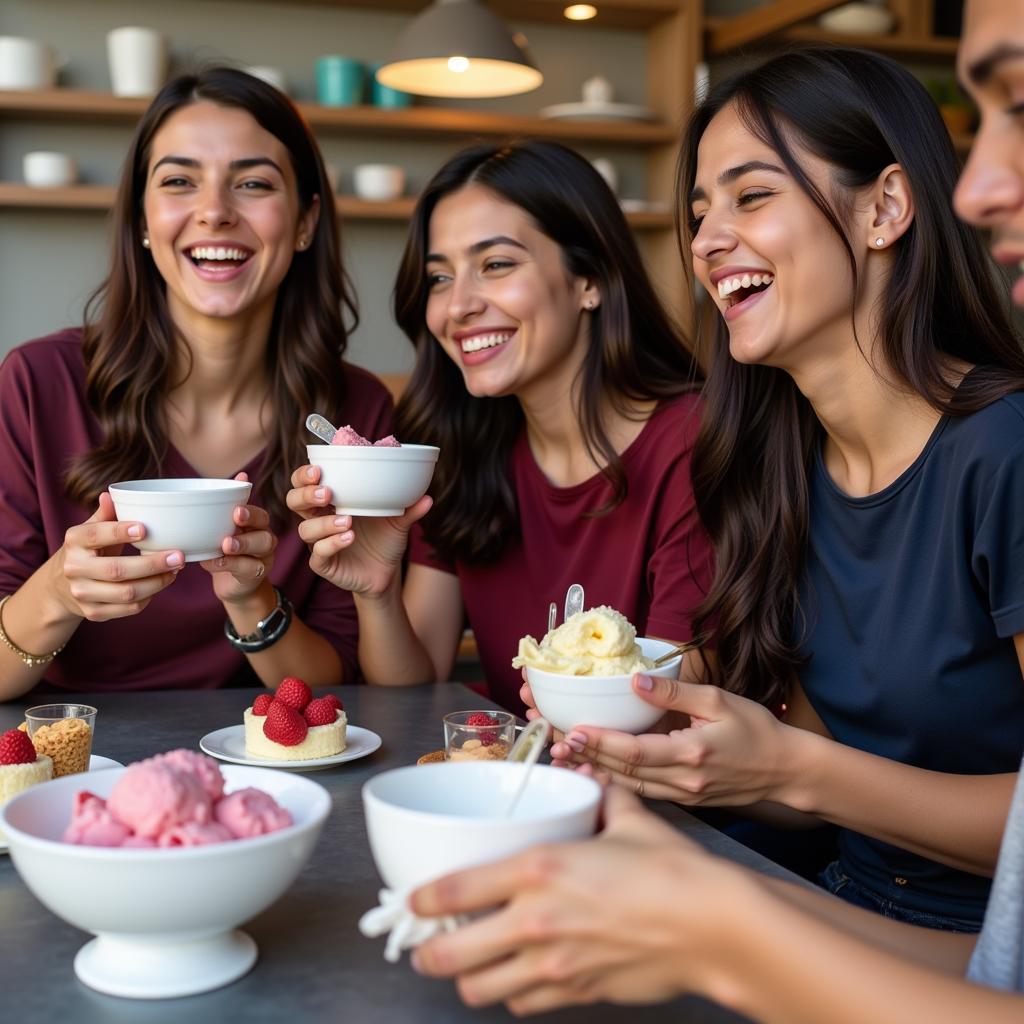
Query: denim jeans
pixel 842 885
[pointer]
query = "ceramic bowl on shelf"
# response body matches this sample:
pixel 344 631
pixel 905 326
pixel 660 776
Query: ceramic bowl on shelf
pixel 164 919
pixel 372 481
pixel 424 821
pixel 607 702
pixel 192 515
pixel 378 182
pixel 43 169
pixel 859 18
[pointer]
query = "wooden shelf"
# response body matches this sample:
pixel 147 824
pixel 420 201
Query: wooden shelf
pixel 101 197
pixel 901 45
pixel 439 122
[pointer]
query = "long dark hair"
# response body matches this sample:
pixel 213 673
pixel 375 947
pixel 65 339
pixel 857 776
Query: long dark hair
pixel 635 352
pixel 859 112
pixel 129 341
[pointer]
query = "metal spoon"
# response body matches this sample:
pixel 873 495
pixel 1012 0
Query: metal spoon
pixel 677 650
pixel 527 749
pixel 321 426
pixel 573 600
pixel 552 615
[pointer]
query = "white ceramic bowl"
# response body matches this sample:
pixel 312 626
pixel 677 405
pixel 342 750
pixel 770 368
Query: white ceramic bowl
pixel 368 481
pixel 425 821
pixel 604 701
pixel 378 182
pixel 858 19
pixel 164 919
pixel 192 515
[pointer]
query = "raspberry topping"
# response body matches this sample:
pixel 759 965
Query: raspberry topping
pixel 284 725
pixel 481 718
pixel 321 711
pixel 334 700
pixel 293 692
pixel 261 704
pixel 16 748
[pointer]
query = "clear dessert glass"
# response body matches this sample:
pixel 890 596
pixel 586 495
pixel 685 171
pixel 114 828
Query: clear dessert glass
pixel 64 732
pixel 478 735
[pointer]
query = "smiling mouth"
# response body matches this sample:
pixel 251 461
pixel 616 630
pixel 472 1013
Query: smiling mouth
pixel 481 341
pixel 218 257
pixel 735 289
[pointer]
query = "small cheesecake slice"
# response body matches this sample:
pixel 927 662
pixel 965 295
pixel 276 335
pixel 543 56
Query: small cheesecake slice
pixel 320 741
pixel 16 778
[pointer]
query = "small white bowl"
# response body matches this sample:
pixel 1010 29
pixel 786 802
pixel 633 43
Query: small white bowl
pixel 164 918
pixel 858 18
pixel 378 182
pixel 607 702
pixel 425 821
pixel 192 515
pixel 369 481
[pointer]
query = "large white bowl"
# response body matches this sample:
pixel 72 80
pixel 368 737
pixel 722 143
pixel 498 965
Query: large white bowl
pixel 425 821
pixel 607 702
pixel 370 481
pixel 192 515
pixel 164 918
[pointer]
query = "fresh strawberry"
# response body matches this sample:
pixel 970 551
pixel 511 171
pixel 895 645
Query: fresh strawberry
pixel 284 725
pixel 481 718
pixel 16 748
pixel 293 692
pixel 262 703
pixel 321 711
pixel 334 700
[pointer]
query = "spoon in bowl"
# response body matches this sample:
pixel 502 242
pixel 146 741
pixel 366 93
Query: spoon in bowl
pixel 527 749
pixel 573 600
pixel 692 645
pixel 321 426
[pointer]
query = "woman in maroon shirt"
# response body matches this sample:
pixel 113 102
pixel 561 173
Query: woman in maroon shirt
pixel 218 329
pixel 563 404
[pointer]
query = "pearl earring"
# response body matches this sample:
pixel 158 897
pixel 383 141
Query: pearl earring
pixel 145 243
pixel 879 241
pixel 302 243
pixel 590 303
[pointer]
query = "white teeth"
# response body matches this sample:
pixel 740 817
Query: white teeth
pixel 730 284
pixel 209 252
pixel 485 341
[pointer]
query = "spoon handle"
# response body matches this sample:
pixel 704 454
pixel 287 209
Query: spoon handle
pixel 677 650
pixel 573 600
pixel 527 749
pixel 321 427
pixel 552 615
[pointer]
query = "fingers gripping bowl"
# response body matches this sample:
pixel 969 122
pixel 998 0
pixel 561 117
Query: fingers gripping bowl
pixel 164 919
pixel 374 481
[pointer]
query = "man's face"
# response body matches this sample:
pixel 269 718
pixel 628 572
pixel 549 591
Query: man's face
pixel 990 66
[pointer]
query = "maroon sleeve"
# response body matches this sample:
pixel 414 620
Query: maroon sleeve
pixel 23 548
pixel 681 564
pixel 421 552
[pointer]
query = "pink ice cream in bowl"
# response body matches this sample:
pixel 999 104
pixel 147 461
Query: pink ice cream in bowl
pixel 369 478
pixel 162 861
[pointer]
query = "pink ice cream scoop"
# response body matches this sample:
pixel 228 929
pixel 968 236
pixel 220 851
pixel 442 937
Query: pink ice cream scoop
pixel 193 834
pixel 152 796
pixel 347 436
pixel 387 442
pixel 251 812
pixel 204 768
pixel 92 824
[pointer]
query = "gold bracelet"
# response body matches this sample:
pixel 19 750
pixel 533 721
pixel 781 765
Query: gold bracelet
pixel 32 660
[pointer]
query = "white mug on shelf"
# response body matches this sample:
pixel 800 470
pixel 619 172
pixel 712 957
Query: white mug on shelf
pixel 49 170
pixel 598 90
pixel 26 64
pixel 137 59
pixel 378 182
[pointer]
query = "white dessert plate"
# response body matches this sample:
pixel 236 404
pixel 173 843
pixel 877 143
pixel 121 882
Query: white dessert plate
pixel 96 762
pixel 228 744
pixel 582 111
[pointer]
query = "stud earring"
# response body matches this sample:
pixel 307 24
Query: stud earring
pixel 302 243
pixel 590 303
pixel 879 241
pixel 145 242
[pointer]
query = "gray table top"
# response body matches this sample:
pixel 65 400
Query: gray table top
pixel 313 963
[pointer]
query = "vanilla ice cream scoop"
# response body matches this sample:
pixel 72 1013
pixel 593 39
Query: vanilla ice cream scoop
pixel 596 642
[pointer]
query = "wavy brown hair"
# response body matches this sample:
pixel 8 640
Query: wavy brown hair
pixel 635 352
pixel 859 112
pixel 130 343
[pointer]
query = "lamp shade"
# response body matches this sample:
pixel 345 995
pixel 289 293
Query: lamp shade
pixel 459 48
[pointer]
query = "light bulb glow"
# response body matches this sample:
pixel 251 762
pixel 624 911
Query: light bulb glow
pixel 580 12
pixel 459 65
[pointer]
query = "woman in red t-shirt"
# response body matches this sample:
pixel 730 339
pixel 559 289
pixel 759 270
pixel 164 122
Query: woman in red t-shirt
pixel 219 326
pixel 563 402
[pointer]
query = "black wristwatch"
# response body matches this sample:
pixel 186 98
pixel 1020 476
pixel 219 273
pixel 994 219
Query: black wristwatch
pixel 268 630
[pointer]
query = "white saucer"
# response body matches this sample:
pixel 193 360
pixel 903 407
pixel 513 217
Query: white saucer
pixel 583 111
pixel 96 763
pixel 228 744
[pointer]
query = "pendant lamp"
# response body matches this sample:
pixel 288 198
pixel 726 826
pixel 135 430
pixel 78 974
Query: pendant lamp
pixel 459 48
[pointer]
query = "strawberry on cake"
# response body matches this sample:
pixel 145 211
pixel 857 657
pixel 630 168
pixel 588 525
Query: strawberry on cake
pixel 20 766
pixel 289 725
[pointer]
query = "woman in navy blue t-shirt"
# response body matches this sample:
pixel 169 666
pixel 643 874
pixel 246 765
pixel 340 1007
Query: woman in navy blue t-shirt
pixel 861 473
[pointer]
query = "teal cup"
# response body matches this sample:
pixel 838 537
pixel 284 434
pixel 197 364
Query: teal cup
pixel 339 81
pixel 384 95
